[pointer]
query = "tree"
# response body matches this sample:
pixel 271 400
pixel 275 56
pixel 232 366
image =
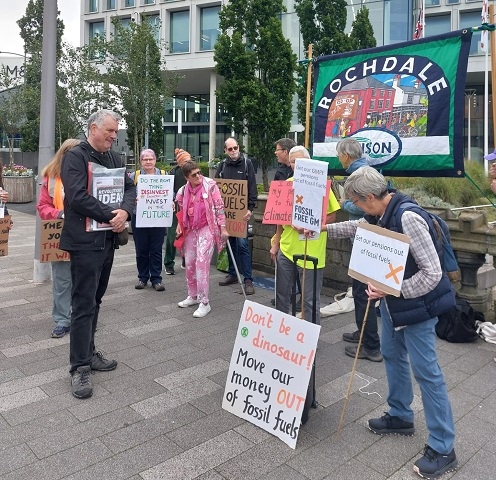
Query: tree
pixel 31 26
pixel 323 24
pixel 258 67
pixel 11 109
pixel 362 33
pixel 82 91
pixel 132 67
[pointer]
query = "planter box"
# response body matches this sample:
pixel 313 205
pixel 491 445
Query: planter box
pixel 21 189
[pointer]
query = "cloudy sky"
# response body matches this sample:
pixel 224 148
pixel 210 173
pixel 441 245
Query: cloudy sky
pixel 12 10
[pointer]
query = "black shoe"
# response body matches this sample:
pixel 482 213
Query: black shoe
pixel 140 285
pixel 273 302
pixel 249 290
pixel 298 305
pixel 364 353
pixel 229 280
pixel 388 424
pixel 159 287
pixel 102 364
pixel 81 385
pixel 352 337
pixel 433 464
pixel 170 271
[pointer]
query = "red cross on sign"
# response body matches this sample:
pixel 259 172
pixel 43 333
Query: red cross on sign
pixel 299 199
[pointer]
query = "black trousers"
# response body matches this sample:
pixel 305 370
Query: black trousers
pixel 90 272
pixel 370 336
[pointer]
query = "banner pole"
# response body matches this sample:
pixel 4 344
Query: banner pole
pixel 309 86
pixel 492 33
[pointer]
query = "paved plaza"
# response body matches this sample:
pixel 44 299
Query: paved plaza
pixel 159 415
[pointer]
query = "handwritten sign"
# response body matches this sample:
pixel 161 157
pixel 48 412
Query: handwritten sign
pixel 310 177
pixel 279 204
pixel 50 242
pixel 154 205
pixel 270 370
pixel 379 257
pixel 279 207
pixel 235 196
pixel 4 235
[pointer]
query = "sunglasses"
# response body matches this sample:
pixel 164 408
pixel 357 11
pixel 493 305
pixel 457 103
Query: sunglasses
pixel 230 149
pixel 194 175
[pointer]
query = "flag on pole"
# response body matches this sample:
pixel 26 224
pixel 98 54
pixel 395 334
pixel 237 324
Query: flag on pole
pixel 484 18
pixel 420 24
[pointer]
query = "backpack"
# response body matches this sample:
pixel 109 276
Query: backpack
pixel 458 325
pixel 440 236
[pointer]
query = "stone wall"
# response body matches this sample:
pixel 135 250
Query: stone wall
pixel 471 236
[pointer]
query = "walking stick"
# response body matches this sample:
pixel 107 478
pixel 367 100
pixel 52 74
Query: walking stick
pixel 353 369
pixel 236 268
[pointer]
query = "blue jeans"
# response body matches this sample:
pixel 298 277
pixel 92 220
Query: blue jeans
pixel 61 288
pixel 90 272
pixel 148 243
pixel 415 345
pixel 242 255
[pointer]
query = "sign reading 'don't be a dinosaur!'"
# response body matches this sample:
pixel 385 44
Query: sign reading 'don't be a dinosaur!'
pixel 379 257
pixel 50 242
pixel 235 196
pixel 270 370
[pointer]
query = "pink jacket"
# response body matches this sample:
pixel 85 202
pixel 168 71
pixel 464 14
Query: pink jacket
pixel 45 207
pixel 214 208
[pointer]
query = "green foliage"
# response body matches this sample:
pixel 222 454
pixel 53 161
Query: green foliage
pixel 31 31
pixel 258 66
pixel 136 74
pixel 448 192
pixel 362 33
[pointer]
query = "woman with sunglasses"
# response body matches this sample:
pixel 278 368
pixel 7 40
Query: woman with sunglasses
pixel 203 226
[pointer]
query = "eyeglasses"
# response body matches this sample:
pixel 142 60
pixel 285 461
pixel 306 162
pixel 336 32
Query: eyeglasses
pixel 194 175
pixel 279 149
pixel 230 149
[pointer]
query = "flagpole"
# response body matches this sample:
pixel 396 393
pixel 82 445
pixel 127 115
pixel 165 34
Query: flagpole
pixel 484 46
pixel 309 89
pixel 493 71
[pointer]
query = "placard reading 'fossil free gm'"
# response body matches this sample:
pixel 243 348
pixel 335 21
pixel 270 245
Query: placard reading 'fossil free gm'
pixel 270 370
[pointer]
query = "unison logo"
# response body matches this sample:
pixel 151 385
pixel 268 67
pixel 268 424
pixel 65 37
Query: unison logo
pixel 379 146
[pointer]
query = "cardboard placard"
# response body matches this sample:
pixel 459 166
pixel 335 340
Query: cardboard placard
pixel 154 200
pixel 270 370
pixel 4 235
pixel 379 257
pixel 50 242
pixel 235 197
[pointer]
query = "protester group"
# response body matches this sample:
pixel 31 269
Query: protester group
pixel 406 342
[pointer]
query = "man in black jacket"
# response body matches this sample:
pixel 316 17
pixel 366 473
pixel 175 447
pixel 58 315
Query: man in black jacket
pixel 237 166
pixel 92 253
pixel 284 170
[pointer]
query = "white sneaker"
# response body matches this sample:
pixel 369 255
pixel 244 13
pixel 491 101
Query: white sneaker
pixel 202 310
pixel 343 303
pixel 188 302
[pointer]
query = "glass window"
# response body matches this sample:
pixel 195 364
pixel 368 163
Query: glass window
pixel 97 29
pixel 110 4
pixel 148 2
pixel 472 19
pixel 125 22
pixel 437 24
pixel 154 22
pixel 128 3
pixel 92 6
pixel 380 103
pixel 372 104
pixel 432 3
pixel 209 27
pixel 179 32
pixel 452 2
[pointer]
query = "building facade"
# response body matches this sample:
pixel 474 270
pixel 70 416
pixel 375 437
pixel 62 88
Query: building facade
pixel 189 30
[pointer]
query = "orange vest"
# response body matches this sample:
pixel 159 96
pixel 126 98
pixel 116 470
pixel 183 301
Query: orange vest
pixel 56 191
